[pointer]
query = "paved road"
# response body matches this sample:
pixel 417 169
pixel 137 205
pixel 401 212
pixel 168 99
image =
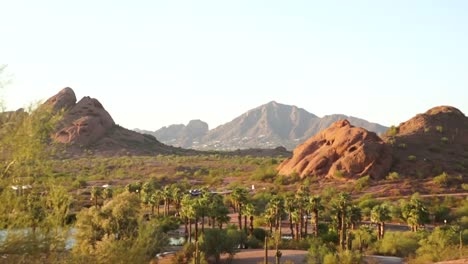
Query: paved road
pixel 383 259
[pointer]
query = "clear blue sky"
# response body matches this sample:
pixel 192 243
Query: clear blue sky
pixel 154 63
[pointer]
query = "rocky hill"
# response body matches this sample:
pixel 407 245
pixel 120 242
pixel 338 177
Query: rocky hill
pixel 423 147
pixel 180 135
pixel 431 143
pixel 87 127
pixel 340 151
pixel 266 126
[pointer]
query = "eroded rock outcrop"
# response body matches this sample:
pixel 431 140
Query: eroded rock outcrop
pixel 340 151
pixel 84 123
pixel 431 143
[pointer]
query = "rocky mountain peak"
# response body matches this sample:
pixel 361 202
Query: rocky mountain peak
pixel 65 99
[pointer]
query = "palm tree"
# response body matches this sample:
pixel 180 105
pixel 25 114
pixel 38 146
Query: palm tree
pixel 315 205
pixel 296 219
pixel 147 190
pixel 187 213
pixel 277 205
pixel 155 200
pixel 202 204
pixel 239 197
pixel 176 196
pixel 108 193
pixel 290 206
pixel 166 195
pixel 343 203
pixel 355 216
pixel 96 193
pixel 270 217
pixel 415 213
pixel 380 214
pixel 302 197
pixel 249 210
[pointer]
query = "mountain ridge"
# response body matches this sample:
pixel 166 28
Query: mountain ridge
pixel 267 126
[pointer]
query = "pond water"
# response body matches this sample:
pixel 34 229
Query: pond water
pixel 71 241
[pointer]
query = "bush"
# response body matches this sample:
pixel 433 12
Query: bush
pixel 253 242
pixel 339 174
pixel 441 180
pixel 259 233
pixel 444 140
pixel 440 129
pixel 401 244
pixel 411 157
pixel 393 176
pixel 362 183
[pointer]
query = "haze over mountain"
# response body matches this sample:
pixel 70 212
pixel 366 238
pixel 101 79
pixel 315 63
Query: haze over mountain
pixel 267 126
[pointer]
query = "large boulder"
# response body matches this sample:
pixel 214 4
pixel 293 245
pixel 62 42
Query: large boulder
pixel 341 151
pixel 65 99
pixel 84 122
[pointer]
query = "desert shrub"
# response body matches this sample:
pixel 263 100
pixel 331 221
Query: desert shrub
pixel 79 183
pixel 439 245
pixel 362 183
pixel 402 145
pixel 263 173
pixel 440 129
pixel 465 186
pixel 411 157
pixel 441 180
pixel 393 176
pixel 349 257
pixel 253 242
pixel 401 244
pixel 444 140
pixel 318 251
pixel 259 233
pixel 393 130
pixel 339 174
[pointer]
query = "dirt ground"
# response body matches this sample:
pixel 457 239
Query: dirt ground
pixel 255 256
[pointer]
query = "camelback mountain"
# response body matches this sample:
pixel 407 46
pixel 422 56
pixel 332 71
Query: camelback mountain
pixel 341 151
pixel 86 125
pixel 268 126
pixel 431 143
pixel 422 147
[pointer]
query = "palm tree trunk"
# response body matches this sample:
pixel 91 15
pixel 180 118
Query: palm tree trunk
pixel 196 229
pixel 305 224
pixel 301 222
pixel 297 230
pixel 291 225
pixel 245 223
pixel 251 224
pixel 186 221
pixel 203 224
pixel 316 223
pixel 239 218
pixel 343 230
pixel 190 230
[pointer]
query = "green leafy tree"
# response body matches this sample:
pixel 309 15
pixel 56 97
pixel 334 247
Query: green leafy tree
pixel 215 242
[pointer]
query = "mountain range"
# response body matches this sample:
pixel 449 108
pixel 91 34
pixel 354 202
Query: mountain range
pixel 267 126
